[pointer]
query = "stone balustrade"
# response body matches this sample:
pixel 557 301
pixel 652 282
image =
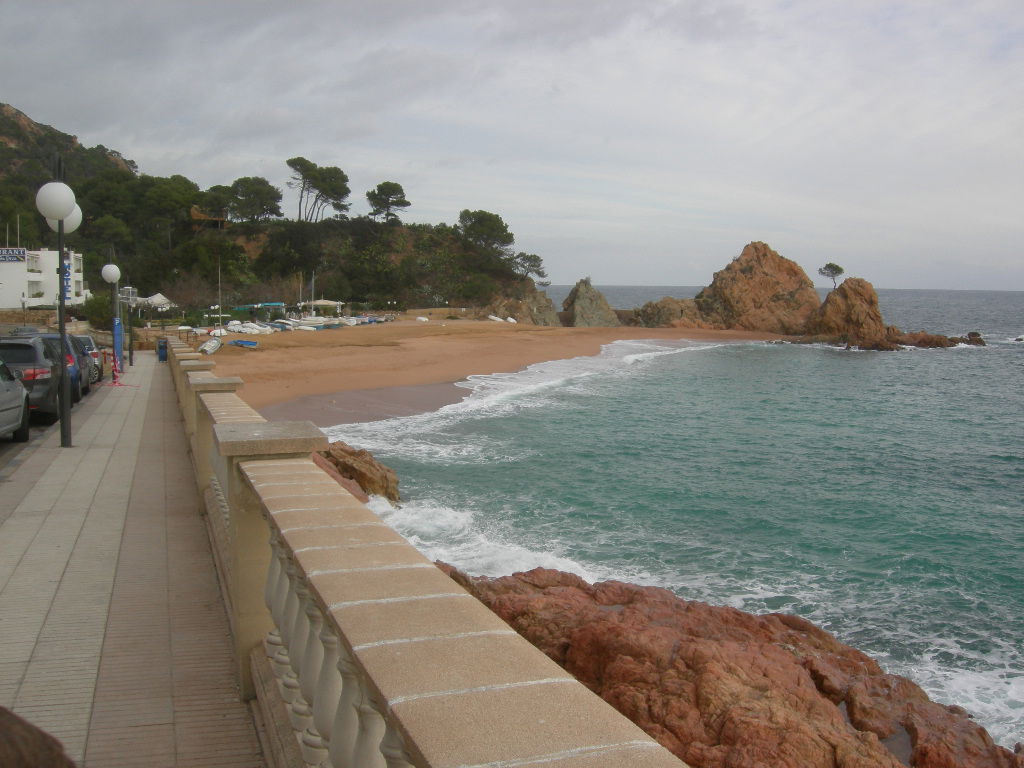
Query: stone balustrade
pixel 360 652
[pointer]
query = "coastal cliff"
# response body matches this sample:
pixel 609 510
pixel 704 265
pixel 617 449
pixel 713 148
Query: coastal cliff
pixel 722 688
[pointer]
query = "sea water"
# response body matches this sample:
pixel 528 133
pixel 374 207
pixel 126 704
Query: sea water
pixel 878 494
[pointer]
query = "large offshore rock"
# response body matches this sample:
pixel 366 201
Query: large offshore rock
pixel 850 313
pixel 587 307
pixel 759 291
pixel 726 689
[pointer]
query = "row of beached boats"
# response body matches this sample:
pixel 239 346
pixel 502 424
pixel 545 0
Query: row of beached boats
pixel 258 328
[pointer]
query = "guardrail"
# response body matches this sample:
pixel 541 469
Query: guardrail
pixel 360 652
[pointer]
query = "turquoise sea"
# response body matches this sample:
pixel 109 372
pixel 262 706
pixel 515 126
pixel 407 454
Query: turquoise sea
pixel 880 495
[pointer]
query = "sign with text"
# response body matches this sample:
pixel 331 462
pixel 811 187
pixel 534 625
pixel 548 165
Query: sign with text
pixel 12 254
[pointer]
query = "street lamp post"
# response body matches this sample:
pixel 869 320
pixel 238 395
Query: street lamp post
pixel 56 202
pixel 111 273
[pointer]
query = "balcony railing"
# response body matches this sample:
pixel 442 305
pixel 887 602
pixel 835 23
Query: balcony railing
pixel 359 650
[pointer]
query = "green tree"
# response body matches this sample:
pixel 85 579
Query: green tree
pixel 486 230
pixel 254 199
pixel 831 271
pixel 303 171
pixel 385 198
pixel 527 264
pixel 318 187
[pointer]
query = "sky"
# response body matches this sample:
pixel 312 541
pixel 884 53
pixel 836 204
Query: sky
pixel 636 142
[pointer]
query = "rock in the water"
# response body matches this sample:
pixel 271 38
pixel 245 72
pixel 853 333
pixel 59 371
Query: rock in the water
pixel 587 307
pixel 759 291
pixel 725 689
pixel 850 314
pixel 374 478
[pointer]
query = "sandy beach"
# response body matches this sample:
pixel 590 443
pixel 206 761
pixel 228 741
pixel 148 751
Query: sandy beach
pixel 370 372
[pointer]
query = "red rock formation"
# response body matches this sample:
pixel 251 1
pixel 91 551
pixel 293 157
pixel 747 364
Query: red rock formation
pixel 726 689
pixel 759 291
pixel 360 466
pixel 850 314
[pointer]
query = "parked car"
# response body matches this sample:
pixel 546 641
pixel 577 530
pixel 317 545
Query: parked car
pixel 75 357
pixel 13 406
pixel 38 368
pixel 96 367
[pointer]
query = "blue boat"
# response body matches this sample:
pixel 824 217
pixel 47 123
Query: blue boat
pixel 244 343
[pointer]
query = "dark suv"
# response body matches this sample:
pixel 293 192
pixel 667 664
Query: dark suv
pixel 75 357
pixel 37 367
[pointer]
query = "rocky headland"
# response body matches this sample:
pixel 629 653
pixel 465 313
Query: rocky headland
pixel 725 689
pixel 757 291
pixel 763 291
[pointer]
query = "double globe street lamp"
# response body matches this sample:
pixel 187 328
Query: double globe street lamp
pixel 111 273
pixel 56 202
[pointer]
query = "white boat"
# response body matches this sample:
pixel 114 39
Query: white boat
pixel 210 346
pixel 495 318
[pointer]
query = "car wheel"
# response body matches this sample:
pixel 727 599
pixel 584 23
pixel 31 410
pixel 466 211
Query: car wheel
pixel 21 433
pixel 86 381
pixel 94 374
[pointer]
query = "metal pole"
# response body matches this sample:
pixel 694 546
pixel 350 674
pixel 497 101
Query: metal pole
pixel 131 337
pixel 65 382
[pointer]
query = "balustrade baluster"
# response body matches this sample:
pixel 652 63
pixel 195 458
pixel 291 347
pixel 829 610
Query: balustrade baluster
pixel 328 685
pixel 274 571
pixel 300 713
pixel 291 605
pixel 393 749
pixel 312 660
pixel 372 726
pixel 346 720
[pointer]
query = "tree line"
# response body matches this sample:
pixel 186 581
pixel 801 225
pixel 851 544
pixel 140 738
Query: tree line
pixel 169 235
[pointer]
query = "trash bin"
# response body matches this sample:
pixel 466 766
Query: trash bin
pixel 161 350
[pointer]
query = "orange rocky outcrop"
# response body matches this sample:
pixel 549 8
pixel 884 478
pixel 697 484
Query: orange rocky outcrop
pixel 358 471
pixel 759 291
pixel 725 689
pixel 850 314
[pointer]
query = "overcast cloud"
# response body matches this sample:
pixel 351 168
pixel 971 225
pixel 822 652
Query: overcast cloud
pixel 639 142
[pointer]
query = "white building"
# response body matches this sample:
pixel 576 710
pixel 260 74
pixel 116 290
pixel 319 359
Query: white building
pixel 29 279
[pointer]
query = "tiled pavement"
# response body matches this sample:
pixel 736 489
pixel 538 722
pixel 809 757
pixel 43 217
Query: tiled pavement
pixel 113 632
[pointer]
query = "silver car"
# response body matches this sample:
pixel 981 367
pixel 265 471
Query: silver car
pixel 13 406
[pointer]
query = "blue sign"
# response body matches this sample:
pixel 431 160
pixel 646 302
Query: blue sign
pixel 12 254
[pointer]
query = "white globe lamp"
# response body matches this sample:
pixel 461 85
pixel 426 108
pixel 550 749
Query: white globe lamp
pixel 55 200
pixel 71 221
pixel 111 273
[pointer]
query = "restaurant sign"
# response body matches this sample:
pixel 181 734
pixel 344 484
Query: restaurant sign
pixel 12 254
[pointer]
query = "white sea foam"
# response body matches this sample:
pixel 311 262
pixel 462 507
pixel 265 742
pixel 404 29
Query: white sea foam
pixel 443 533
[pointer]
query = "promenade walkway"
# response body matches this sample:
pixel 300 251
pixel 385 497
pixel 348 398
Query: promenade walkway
pixel 112 627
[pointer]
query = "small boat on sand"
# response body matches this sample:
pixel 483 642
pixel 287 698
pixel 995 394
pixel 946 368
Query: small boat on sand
pixel 210 346
pixel 245 343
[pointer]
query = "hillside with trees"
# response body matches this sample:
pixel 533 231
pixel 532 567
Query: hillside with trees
pixel 169 235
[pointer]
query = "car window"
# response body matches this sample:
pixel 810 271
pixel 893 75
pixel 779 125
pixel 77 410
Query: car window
pixel 52 350
pixel 17 353
pixel 5 373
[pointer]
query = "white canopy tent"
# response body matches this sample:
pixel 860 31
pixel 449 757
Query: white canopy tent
pixel 157 301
